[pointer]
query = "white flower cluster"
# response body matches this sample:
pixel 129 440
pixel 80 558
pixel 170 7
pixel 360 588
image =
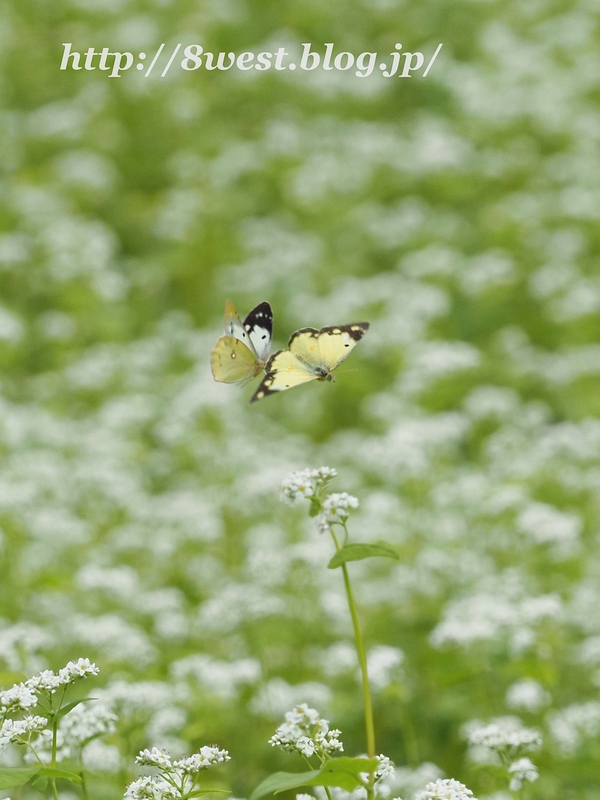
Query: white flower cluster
pixel 446 789
pixel 77 669
pixel 502 740
pixel 18 698
pixel 178 777
pixel 48 681
pixel 521 771
pixel 152 787
pixel 385 769
pixel 23 696
pixel 306 733
pixel 207 756
pixel 305 483
pixel 336 507
pixel 21 730
pixel 335 510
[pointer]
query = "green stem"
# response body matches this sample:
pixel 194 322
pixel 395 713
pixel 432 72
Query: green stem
pixel 84 791
pixel 53 762
pixel 362 660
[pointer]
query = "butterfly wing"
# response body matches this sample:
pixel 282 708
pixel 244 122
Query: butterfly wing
pixel 235 327
pixel 337 342
pixel 232 362
pixel 259 327
pixel 284 370
pixel 311 355
pixel 324 350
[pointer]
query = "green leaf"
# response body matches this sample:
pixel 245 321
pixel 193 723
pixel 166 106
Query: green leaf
pixel 343 772
pixel 40 782
pixel 280 781
pixel 70 706
pixel 16 776
pixel 52 772
pixel 352 765
pixel 200 792
pixel 315 507
pixel 359 551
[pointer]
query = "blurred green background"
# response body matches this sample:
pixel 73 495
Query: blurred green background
pixel 140 523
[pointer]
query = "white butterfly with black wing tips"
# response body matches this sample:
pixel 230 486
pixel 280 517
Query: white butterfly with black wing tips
pixel 312 355
pixel 242 353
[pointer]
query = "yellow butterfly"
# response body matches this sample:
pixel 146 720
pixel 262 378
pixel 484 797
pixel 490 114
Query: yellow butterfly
pixel 241 354
pixel 312 355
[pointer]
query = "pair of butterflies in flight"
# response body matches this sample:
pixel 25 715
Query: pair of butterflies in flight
pixel 311 354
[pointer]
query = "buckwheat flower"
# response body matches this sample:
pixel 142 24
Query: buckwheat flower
pixel 330 741
pixel 302 715
pixel 151 788
pixel 77 669
pixel 324 474
pixel 336 507
pixel 305 732
pixel 305 745
pixel 305 483
pixel 297 486
pixel 154 758
pixel 47 681
pixel 18 698
pixel 385 768
pixel 501 739
pixel 20 731
pixel 301 796
pixel 446 789
pixel 207 756
pixel 521 771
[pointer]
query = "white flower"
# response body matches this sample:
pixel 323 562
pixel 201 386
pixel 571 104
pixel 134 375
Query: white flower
pixel 498 738
pixel 151 788
pixel 206 757
pixel 336 507
pixel 305 745
pixel 20 730
pixel 153 758
pixel 77 669
pixel 446 789
pixel 521 771
pixel 385 768
pixel 157 787
pixel 44 681
pixel 305 483
pixel 19 697
pixel 305 732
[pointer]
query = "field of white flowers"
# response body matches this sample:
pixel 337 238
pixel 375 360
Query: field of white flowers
pixel 140 520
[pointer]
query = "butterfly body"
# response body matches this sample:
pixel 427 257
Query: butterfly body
pixel 241 354
pixel 311 355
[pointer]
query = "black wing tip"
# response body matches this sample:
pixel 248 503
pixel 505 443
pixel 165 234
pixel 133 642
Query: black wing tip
pixel 262 391
pixel 261 316
pixel 311 331
pixel 355 329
